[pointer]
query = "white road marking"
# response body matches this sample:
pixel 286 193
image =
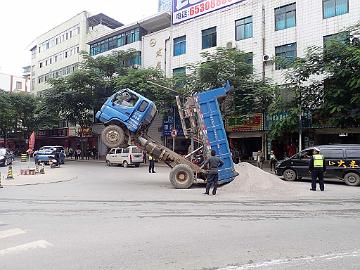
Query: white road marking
pixel 25 247
pixel 327 257
pixel 11 232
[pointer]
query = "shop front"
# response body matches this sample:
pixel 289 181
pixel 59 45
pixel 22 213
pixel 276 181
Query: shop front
pixel 246 137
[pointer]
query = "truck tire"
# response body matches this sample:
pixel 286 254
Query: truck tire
pixel 182 176
pixel 352 179
pixel 113 136
pixel 289 175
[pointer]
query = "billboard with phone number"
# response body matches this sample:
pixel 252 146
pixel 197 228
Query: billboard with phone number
pixel 187 9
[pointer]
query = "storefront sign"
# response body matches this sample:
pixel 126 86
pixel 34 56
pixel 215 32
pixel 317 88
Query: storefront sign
pixel 187 9
pixel 236 124
pixel 51 133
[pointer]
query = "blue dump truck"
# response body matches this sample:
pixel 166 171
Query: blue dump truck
pixel 127 116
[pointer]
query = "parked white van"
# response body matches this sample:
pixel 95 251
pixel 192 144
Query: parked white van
pixel 131 155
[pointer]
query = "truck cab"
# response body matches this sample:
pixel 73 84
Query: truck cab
pixel 125 113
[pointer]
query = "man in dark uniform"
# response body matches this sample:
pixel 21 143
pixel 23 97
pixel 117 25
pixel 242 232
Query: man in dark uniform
pixel 317 167
pixel 151 164
pixel 213 175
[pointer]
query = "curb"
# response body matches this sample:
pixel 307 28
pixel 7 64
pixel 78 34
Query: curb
pixel 39 183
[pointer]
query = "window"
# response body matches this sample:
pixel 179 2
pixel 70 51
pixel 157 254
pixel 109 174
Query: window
pixel 353 153
pixel 208 38
pixel 332 153
pixel 143 106
pixel 339 37
pixel 135 60
pixel 179 45
pixel 112 151
pixel 40 65
pixel 126 99
pixel 181 71
pixel 244 28
pixel 126 151
pixel 18 85
pixel 249 58
pixel 333 8
pixel 285 55
pixel 285 17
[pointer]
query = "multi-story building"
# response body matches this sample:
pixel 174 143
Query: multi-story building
pixel 263 28
pixel 13 83
pixel 57 52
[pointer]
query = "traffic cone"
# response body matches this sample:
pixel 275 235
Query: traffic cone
pixel 0 181
pixel 10 175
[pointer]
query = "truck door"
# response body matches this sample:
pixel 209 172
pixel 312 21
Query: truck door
pixel 124 104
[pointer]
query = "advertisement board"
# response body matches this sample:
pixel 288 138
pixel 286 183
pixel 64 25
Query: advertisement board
pixel 236 124
pixel 187 9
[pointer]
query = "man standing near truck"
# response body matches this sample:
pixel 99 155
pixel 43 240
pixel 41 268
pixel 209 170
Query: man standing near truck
pixel 317 167
pixel 214 163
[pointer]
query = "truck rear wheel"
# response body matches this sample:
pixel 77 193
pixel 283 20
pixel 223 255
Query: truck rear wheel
pixel 113 136
pixel 182 176
pixel 352 179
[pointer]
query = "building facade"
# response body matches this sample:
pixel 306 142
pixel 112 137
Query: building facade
pixel 13 83
pixel 56 53
pixel 265 29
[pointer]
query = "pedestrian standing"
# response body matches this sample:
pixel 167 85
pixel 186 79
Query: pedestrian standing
pixel 260 159
pixel 317 167
pixel 272 160
pixel 151 164
pixel 213 163
pixel 94 152
pixel 71 152
pixel 78 153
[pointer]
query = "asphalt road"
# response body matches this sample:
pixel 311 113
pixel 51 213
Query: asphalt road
pixel 117 218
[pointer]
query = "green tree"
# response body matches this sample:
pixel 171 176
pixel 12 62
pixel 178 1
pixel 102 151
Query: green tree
pixel 150 83
pixel 326 81
pixel 7 115
pixel 249 94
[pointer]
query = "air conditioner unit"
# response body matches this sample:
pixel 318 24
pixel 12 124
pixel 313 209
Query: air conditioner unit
pixel 230 45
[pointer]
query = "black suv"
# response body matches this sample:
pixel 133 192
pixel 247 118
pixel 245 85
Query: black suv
pixel 342 161
pixel 6 157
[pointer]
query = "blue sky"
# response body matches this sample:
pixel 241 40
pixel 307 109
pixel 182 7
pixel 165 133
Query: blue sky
pixel 22 21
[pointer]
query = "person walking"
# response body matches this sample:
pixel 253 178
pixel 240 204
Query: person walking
pixel 317 167
pixel 213 163
pixel 151 164
pixel 260 159
pixel 272 160
pixel 94 152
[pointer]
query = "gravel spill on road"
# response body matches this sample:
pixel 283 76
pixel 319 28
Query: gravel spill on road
pixel 253 181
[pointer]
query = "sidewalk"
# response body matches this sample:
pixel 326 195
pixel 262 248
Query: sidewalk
pixel 55 175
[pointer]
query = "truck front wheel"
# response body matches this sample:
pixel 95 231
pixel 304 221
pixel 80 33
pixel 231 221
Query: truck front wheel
pixel 182 176
pixel 113 136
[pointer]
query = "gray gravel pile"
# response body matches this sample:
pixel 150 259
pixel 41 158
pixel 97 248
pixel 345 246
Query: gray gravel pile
pixel 252 181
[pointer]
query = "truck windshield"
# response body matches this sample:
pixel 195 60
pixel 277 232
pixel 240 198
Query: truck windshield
pixel 126 99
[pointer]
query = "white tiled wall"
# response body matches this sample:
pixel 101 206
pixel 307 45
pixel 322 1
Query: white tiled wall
pixel 310 29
